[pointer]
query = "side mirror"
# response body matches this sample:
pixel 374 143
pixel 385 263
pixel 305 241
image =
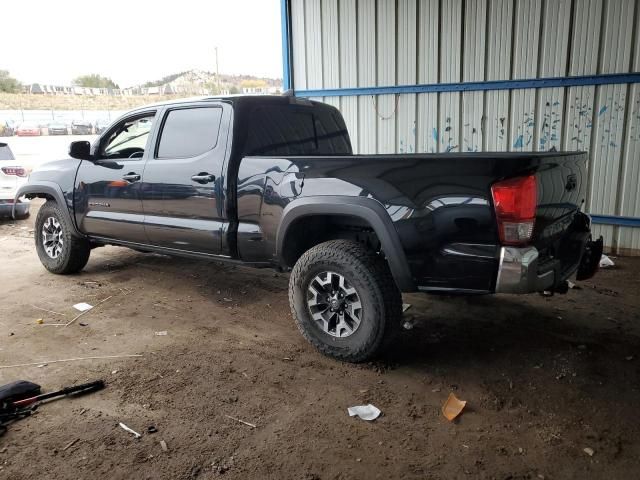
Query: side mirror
pixel 80 150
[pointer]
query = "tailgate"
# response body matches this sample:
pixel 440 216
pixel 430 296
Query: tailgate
pixel 8 183
pixel 562 184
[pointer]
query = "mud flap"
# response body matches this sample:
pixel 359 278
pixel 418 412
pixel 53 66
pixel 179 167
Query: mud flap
pixel 590 259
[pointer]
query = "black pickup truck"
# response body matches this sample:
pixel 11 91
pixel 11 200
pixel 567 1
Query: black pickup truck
pixel 272 182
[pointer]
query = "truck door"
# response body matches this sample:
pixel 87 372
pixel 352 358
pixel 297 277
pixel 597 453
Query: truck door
pixel 183 201
pixel 108 190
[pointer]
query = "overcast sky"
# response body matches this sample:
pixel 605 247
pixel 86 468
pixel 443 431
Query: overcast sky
pixel 134 41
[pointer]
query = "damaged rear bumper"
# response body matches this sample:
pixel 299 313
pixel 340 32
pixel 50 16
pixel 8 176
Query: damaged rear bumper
pixel 522 270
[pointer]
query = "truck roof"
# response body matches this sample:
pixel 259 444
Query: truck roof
pixel 244 100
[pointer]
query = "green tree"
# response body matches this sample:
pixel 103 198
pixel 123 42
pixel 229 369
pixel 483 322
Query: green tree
pixel 212 88
pixel 234 90
pixel 8 83
pixel 95 81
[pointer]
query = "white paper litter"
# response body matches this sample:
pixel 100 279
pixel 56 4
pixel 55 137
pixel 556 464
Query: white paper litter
pixel 606 262
pixel 82 307
pixel 162 333
pixel 364 412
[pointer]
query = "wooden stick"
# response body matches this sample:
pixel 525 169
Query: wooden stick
pixel 87 311
pixel 241 421
pixel 70 444
pixel 49 311
pixel 68 360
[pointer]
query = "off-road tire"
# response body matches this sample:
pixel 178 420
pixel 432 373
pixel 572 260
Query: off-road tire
pixel 75 250
pixel 369 274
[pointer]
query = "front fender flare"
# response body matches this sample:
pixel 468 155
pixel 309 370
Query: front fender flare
pixel 369 210
pixel 47 189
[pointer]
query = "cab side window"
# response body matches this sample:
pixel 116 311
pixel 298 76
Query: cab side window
pixel 189 132
pixel 129 139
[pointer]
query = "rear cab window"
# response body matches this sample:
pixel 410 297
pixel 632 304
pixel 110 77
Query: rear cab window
pixel 189 132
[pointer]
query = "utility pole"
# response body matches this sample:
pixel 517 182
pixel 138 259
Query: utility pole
pixel 217 72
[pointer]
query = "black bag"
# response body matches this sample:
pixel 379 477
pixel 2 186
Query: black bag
pixel 15 391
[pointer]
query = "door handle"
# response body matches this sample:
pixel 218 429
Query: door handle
pixel 131 177
pixel 203 177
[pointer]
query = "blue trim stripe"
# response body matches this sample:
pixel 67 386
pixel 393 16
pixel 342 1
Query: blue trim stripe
pixel 616 220
pixel 607 79
pixel 286 48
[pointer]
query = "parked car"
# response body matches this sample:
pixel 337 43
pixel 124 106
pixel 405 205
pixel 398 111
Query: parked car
pixel 272 182
pixel 13 174
pixel 28 129
pixel 81 127
pixel 101 125
pixel 7 128
pixel 57 128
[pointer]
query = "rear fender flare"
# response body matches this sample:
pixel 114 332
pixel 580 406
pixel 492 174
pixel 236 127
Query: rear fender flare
pixel 49 190
pixel 368 210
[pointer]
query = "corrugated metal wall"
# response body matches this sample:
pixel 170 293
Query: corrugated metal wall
pixel 339 44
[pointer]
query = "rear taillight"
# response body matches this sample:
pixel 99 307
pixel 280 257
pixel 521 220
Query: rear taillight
pixel 17 171
pixel 515 203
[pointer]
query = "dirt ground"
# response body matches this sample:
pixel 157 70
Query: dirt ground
pixel 544 378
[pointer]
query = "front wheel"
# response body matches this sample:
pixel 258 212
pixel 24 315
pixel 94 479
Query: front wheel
pixel 344 300
pixel 58 249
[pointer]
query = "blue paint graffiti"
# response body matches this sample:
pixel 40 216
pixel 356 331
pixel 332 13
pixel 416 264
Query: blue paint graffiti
pixel 518 142
pixel 434 134
pixel 603 109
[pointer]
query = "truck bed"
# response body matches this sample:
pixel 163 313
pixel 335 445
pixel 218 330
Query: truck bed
pixel 440 204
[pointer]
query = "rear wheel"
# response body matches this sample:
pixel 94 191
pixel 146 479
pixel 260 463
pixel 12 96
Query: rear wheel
pixel 344 300
pixel 58 249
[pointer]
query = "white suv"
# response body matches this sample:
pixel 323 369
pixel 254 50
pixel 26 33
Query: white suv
pixel 12 175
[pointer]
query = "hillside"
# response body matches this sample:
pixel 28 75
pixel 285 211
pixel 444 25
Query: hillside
pixel 179 85
pixel 26 101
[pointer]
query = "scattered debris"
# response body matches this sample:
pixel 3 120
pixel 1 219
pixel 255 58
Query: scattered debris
pixel 405 307
pixel 408 324
pixel 78 316
pixel 70 444
pixel 82 307
pixel 82 324
pixel 241 421
pixel 606 262
pixel 162 333
pixel 152 429
pixel 571 284
pixel 364 412
pixel 43 365
pixel 453 407
pixel 113 372
pixel 163 445
pixel 589 451
pixel 48 311
pixel 629 358
pixel 39 321
pixel 289 359
pixel 68 360
pixel 127 429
